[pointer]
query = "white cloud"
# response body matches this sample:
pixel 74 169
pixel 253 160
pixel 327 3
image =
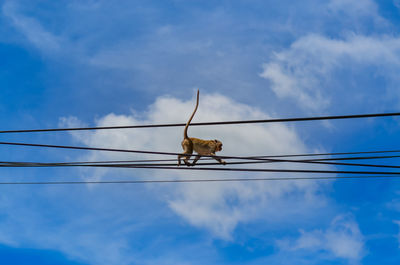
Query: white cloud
pixel 34 32
pixel 47 218
pixel 396 3
pixel 305 72
pixel 360 15
pixel 217 207
pixel 398 235
pixel 356 8
pixel 342 239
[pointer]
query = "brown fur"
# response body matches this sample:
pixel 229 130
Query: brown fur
pixel 201 147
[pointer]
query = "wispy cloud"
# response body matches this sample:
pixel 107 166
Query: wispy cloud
pixel 397 222
pixel 307 71
pixel 342 239
pixel 354 8
pixel 33 31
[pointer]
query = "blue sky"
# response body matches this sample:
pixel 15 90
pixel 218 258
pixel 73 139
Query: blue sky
pixel 102 63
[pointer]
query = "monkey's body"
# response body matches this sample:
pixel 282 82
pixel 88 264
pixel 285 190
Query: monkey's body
pixel 200 146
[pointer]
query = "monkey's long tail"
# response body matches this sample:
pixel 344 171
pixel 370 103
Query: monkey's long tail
pixel 185 135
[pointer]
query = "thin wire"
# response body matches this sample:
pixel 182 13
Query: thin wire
pixel 93 164
pixel 311 161
pixel 175 154
pixel 337 153
pixel 258 170
pixel 88 148
pixel 212 169
pixel 246 162
pixel 241 163
pixel 209 123
pixel 163 153
pixel 192 180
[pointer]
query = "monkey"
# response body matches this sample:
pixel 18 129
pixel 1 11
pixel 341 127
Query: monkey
pixel 201 147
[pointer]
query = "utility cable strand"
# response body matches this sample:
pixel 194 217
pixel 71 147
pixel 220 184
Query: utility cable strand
pixel 195 180
pixel 130 164
pixel 335 117
pixel 150 152
pixel 227 169
pixel 174 154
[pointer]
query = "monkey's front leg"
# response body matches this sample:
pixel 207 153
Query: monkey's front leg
pixel 218 159
pixel 185 160
pixel 196 159
pixel 179 160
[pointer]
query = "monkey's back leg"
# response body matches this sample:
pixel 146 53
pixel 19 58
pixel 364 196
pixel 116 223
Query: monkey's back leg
pixel 187 146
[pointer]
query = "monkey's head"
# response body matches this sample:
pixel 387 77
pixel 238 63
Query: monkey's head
pixel 218 145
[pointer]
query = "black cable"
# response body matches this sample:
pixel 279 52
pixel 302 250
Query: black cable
pixel 165 153
pixel 88 148
pixel 175 154
pixel 239 163
pixel 256 170
pixel 93 164
pixel 215 169
pixel 335 153
pixel 194 180
pixel 312 161
pixel 130 165
pixel 209 123
pixel 202 159
pixel 246 162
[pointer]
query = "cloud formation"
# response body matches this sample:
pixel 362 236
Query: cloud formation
pixel 342 239
pixel 354 8
pixel 308 72
pixel 31 29
pixel 217 207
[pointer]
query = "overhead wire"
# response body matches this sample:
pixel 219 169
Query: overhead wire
pixel 246 162
pixel 135 164
pixel 275 170
pixel 196 180
pixel 255 159
pixel 242 163
pixel 334 117
pixel 210 123
pixel 174 154
pixel 261 159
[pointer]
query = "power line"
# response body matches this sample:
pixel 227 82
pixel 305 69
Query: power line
pixel 336 153
pixel 130 164
pixel 246 162
pixel 211 168
pixel 169 153
pixel 88 148
pixel 242 163
pixel 174 154
pixel 194 180
pixel 259 170
pixel 357 116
